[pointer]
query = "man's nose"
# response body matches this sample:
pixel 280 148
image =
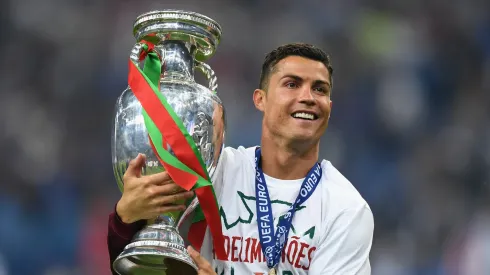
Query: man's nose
pixel 306 95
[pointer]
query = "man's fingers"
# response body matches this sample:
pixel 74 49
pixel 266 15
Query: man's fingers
pixel 178 198
pixel 161 178
pixel 171 189
pixel 201 263
pixel 164 190
pixel 135 166
pixel 194 254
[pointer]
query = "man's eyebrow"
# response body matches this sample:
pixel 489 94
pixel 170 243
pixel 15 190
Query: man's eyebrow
pixel 321 82
pixel 299 78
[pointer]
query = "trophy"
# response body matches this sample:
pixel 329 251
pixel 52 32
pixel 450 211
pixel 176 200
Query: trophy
pixel 182 40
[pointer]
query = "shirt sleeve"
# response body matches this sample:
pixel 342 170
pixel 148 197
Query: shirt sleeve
pixel 346 245
pixel 119 235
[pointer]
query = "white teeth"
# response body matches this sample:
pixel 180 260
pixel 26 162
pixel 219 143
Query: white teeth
pixel 304 115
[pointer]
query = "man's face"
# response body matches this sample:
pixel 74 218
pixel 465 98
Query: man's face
pixel 297 102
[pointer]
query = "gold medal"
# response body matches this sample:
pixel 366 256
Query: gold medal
pixel 272 271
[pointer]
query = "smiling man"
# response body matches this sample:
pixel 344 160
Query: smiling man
pixel 283 210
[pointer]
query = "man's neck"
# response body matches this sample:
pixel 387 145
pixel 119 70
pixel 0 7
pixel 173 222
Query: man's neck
pixel 285 161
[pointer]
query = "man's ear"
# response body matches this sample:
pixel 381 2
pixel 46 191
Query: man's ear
pixel 260 99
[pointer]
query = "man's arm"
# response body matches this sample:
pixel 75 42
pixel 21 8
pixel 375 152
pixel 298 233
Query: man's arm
pixel 144 197
pixel 119 235
pixel 346 246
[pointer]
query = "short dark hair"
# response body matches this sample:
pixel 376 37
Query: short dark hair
pixel 293 49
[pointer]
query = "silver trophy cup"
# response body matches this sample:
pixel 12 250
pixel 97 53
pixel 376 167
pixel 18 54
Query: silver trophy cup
pixel 183 40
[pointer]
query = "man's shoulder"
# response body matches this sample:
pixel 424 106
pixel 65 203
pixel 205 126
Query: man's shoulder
pixel 341 191
pixel 240 149
pixel 237 156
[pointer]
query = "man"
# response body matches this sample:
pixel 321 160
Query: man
pixel 311 219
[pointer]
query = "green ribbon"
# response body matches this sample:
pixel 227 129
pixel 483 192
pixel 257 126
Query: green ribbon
pixel 151 72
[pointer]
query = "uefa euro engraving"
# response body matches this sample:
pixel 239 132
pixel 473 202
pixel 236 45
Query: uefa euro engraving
pixel 183 40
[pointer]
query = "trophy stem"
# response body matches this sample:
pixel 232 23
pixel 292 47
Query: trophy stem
pixel 177 58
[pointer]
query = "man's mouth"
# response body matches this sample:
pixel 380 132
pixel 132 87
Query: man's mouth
pixel 305 115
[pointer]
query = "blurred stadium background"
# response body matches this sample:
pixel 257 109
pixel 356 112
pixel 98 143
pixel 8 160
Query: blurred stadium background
pixel 410 125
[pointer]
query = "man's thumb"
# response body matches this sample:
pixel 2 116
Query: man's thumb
pixel 196 256
pixel 135 165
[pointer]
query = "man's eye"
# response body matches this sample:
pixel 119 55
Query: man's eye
pixel 291 85
pixel 320 89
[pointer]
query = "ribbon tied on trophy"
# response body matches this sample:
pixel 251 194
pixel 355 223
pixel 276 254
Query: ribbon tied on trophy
pixel 185 166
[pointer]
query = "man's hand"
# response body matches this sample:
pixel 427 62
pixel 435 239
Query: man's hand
pixel 146 197
pixel 204 267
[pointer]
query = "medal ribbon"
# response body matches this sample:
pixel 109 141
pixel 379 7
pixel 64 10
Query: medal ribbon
pixel 273 243
pixel 166 130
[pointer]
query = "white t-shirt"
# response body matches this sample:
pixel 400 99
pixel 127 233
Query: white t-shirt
pixel 331 232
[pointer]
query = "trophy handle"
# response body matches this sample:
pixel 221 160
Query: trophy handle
pixel 210 75
pixel 188 211
pixel 136 53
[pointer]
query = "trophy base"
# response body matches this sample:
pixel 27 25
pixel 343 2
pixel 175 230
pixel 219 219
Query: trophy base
pixel 151 261
pixel 153 256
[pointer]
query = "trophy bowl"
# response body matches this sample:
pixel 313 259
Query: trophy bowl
pixel 183 40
